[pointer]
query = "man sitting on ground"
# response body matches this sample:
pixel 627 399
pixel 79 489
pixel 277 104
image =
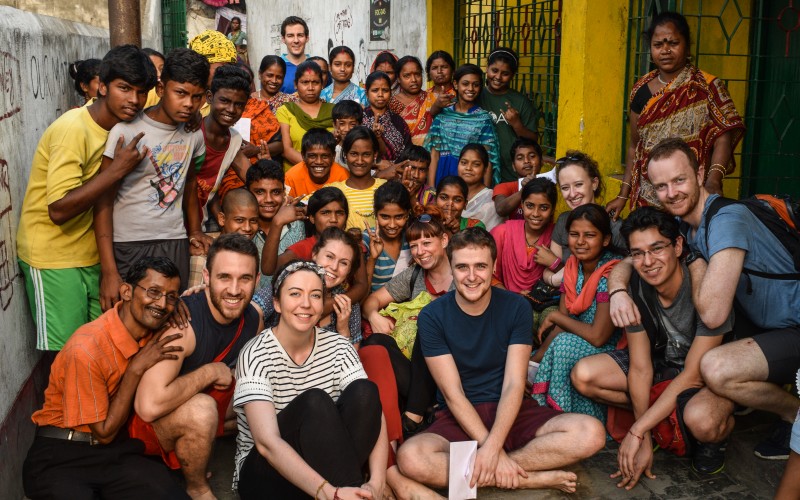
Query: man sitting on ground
pixel 477 342
pixel 667 345
pixel 182 405
pixel 734 256
pixel 88 399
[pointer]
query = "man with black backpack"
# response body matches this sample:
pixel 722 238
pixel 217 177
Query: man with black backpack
pixel 738 261
pixel 658 374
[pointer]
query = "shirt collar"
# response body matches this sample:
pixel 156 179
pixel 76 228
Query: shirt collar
pixel 120 336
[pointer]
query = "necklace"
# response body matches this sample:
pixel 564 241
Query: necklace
pixel 662 81
pixel 531 245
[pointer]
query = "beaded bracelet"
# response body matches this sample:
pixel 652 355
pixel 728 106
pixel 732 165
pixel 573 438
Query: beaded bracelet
pixel 611 294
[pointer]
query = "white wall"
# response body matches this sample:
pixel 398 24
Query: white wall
pixel 337 22
pixel 35 88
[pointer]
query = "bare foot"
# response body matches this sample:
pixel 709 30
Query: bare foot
pixel 205 495
pixel 556 479
pixel 388 493
pixel 408 489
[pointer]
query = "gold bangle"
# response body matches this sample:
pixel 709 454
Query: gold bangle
pixel 626 183
pixel 718 169
pixel 316 496
pixel 623 197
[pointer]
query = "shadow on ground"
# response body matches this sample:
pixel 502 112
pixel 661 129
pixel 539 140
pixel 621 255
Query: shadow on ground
pixel 745 476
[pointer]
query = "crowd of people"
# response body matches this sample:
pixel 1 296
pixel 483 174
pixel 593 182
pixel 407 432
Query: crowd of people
pixel 378 272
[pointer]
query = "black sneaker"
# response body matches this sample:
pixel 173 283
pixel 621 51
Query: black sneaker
pixel 776 447
pixel 709 458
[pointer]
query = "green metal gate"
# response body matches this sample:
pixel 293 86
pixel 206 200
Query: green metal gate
pixel 754 46
pixel 173 23
pixel 532 29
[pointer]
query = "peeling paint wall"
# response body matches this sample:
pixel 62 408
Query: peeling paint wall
pixel 338 22
pixel 35 88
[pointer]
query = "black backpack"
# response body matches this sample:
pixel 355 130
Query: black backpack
pixel 781 215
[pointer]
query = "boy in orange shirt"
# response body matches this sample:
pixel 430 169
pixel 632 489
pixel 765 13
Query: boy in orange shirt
pixel 317 168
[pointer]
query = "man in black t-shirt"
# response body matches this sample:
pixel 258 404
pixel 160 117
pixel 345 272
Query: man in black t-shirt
pixel 182 405
pixel 667 345
pixel 477 343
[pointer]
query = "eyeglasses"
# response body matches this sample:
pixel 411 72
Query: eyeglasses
pixel 156 294
pixel 656 251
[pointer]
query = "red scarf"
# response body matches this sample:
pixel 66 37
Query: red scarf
pixel 578 303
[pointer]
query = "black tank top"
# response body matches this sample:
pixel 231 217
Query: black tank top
pixel 211 337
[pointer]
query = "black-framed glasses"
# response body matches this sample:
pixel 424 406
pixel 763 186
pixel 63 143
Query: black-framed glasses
pixel 565 159
pixel 156 294
pixel 656 251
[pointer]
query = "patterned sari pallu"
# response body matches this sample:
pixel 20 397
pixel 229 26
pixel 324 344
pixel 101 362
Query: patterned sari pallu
pixel 695 106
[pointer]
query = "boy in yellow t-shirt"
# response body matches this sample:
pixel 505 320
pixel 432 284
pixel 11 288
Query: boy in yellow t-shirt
pixel 56 243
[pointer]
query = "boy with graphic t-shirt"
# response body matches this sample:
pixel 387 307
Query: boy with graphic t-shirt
pixel 56 240
pixel 146 215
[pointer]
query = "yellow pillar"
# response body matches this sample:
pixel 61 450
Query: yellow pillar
pixel 441 25
pixel 592 81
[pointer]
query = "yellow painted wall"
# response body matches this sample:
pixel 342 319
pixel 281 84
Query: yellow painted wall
pixel 441 25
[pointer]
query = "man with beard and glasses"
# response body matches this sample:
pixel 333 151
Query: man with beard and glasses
pixel 735 263
pixel 182 405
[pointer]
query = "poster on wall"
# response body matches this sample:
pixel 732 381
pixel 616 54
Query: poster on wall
pixel 379 20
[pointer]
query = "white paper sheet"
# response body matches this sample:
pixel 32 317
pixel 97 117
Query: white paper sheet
pixel 243 127
pixel 462 461
pixel 550 174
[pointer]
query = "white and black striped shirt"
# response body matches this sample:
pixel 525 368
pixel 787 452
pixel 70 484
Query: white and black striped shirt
pixel 265 372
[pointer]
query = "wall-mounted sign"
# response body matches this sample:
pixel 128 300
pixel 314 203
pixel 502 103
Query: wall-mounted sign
pixel 379 20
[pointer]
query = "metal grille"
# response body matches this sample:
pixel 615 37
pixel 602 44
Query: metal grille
pixel 532 29
pixel 173 19
pixel 754 46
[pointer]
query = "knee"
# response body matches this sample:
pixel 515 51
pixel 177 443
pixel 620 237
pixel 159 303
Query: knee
pixel 364 395
pixel 316 402
pixel 590 435
pixel 703 426
pixel 409 459
pixel 200 413
pixel 582 377
pixel 714 369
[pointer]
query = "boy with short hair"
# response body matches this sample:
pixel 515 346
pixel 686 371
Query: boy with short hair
pixel 346 115
pixel 317 168
pixel 265 180
pixel 227 97
pixel 416 161
pixel 526 158
pixel 294 34
pixel 145 216
pixel 238 214
pixel 56 239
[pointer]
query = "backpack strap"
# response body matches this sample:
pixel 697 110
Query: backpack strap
pixel 643 296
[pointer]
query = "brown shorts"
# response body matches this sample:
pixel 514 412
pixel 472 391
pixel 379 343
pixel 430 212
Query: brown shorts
pixel 530 418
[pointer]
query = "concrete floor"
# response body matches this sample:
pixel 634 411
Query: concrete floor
pixel 745 476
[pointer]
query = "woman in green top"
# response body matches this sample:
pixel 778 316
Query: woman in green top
pixel 308 112
pixel 451 198
pixel 237 36
pixel 513 113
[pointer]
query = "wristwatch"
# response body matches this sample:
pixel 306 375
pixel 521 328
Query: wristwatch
pixel 692 256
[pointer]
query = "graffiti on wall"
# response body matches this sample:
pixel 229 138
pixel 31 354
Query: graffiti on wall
pixel 8 261
pixel 10 87
pixel 342 21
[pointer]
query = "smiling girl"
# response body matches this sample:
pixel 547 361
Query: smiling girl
pixel 518 241
pixel 458 125
pixel 451 199
pixel 360 148
pixel 473 167
pixel 583 312
pixel 301 398
pixel 388 253
pixel 342 63
pixel 513 113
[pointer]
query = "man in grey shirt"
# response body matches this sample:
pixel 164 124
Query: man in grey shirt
pixel 667 345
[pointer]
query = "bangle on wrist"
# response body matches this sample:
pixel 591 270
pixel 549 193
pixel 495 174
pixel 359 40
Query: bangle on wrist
pixel 719 168
pixel 336 495
pixel 612 292
pixel 620 197
pixel 316 496
pixel 555 264
pixel 627 184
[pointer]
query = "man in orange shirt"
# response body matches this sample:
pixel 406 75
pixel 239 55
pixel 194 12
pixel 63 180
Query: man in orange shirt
pixel 76 453
pixel 317 168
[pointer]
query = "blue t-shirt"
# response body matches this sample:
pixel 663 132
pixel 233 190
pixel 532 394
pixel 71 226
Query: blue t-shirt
pixel 288 79
pixel 478 344
pixel 769 303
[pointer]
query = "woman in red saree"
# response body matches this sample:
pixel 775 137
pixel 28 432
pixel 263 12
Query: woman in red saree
pixel 677 100
pixel 411 101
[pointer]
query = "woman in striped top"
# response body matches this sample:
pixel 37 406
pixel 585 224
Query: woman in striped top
pixel 301 399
